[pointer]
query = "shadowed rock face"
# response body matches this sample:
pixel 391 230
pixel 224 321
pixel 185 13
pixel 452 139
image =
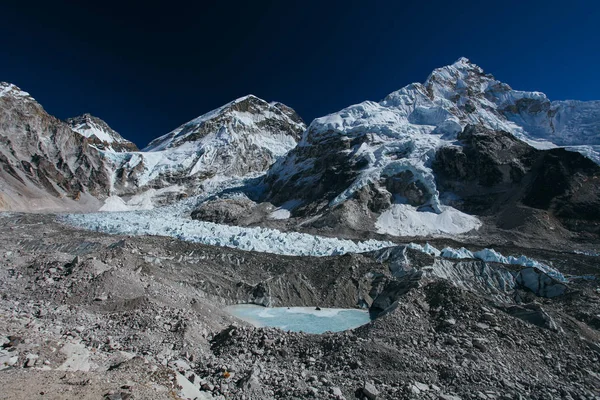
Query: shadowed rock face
pixel 41 155
pixel 487 158
pixel 324 171
pixel 493 172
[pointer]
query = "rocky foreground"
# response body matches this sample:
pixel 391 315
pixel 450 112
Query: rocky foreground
pixel 85 315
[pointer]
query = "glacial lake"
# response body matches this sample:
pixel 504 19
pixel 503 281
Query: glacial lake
pixel 301 319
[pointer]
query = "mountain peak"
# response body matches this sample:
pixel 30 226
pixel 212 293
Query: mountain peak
pixel 247 97
pixel 8 89
pixel 243 115
pixel 460 69
pixel 462 61
pixel 100 133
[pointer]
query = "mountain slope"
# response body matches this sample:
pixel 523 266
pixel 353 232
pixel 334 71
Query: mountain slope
pixel 100 134
pixel 254 116
pixel 44 164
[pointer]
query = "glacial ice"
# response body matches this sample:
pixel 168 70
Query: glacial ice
pixel 244 238
pixel 174 221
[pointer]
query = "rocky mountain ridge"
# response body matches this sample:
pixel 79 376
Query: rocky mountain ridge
pixel 44 164
pixel 239 139
pixel 409 165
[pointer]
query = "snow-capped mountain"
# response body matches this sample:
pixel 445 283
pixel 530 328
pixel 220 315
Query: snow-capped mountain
pixel 375 160
pixel 44 164
pixel 240 138
pixel 272 125
pixel 100 134
pixel 83 164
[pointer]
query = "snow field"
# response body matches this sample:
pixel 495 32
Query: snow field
pixel 405 220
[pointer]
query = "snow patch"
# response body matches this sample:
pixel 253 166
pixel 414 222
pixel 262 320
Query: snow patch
pixel 142 201
pixel 189 391
pixel 114 203
pixel 280 214
pixel 406 220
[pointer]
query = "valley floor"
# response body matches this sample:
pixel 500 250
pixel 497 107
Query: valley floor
pixel 86 314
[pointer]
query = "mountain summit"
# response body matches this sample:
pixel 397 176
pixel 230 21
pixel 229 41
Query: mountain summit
pixel 266 122
pixel 100 134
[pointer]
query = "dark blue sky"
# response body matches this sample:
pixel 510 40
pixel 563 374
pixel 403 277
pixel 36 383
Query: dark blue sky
pixel 147 69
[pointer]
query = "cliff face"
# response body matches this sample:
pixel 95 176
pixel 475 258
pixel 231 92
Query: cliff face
pixel 44 164
pixel 493 173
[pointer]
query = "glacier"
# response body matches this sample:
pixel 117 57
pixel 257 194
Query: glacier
pixel 174 221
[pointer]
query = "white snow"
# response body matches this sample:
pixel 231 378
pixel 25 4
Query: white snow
pixel 280 213
pixel 427 248
pixel 174 221
pixel 233 120
pixel 77 357
pixel 406 220
pixel 146 200
pixel 224 142
pixel 491 255
pixel 285 210
pixel 114 203
pixel 142 201
pixel 90 129
pixel 449 252
pixel 189 391
pixel 12 90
